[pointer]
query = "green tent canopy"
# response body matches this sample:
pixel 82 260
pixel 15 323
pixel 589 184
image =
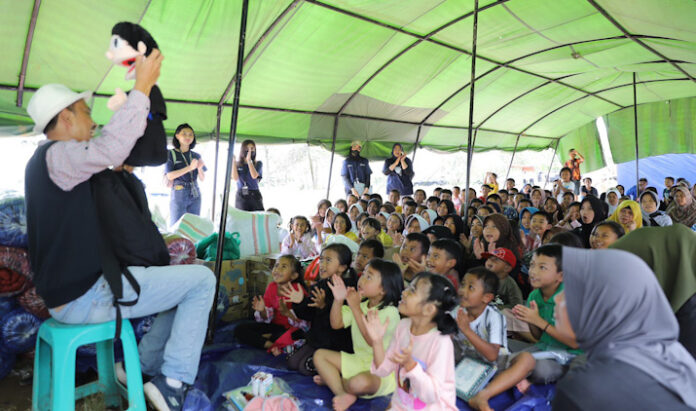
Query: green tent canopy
pixel 389 70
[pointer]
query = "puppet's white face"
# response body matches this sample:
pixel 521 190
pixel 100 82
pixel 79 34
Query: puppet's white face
pixel 122 53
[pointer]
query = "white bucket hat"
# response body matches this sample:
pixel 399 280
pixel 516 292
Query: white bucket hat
pixel 49 100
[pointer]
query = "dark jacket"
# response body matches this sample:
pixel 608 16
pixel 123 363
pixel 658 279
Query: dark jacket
pixel 399 179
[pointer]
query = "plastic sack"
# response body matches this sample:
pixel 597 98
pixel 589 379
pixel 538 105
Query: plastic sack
pixel 258 230
pixel 7 304
pixel 181 249
pixel 274 403
pixel 196 400
pixel 206 249
pixel 194 227
pixel 33 303
pixel 11 282
pixel 13 220
pixel 18 330
pixel 7 361
pixel 16 259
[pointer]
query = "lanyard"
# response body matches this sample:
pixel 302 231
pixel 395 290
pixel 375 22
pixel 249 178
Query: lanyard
pixel 194 186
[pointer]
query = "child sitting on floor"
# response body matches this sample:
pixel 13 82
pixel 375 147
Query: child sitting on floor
pixel 316 307
pixel 277 325
pixel 371 229
pixel 482 328
pixel 299 242
pixel 411 257
pixel 445 258
pixel 540 222
pixel 421 353
pixel 368 250
pixel 501 261
pixel 544 362
pixel 348 375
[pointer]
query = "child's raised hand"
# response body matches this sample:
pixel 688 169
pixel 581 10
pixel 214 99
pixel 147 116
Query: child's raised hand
pixel 374 327
pixel 258 304
pixel 338 288
pixel 478 248
pixel 404 357
pixel 417 266
pixel 293 295
pixel 463 320
pixel 283 308
pixel 464 240
pixel 398 239
pixel 529 314
pixel 353 297
pixel 318 299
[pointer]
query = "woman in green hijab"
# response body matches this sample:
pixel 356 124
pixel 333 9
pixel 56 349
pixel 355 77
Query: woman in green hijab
pixel 671 253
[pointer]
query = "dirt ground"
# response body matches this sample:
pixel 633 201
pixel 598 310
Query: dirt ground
pixel 15 389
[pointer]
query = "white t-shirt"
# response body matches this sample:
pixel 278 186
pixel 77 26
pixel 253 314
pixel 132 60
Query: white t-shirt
pixel 490 326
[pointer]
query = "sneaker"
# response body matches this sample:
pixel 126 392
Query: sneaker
pixel 123 378
pixel 164 397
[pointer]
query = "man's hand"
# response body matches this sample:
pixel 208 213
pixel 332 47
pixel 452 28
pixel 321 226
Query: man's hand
pixel 147 71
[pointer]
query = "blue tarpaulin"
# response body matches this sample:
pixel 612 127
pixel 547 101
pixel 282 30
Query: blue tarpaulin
pixel 656 168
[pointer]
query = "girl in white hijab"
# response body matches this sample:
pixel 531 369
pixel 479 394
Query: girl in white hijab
pixel 613 201
pixel 623 321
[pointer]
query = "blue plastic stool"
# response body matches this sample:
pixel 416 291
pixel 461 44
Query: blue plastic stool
pixel 54 366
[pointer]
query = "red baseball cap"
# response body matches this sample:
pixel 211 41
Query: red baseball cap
pixel 502 253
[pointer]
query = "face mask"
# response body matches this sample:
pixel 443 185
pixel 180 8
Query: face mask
pixel 354 153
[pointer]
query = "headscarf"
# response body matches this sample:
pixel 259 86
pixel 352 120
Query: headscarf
pixel 531 210
pixel 684 215
pixel 359 207
pixel 657 218
pixel 423 224
pixel 618 200
pixel 384 214
pixel 635 209
pixel 432 214
pixel 623 314
pixel 670 252
pixel 439 231
pixel 600 215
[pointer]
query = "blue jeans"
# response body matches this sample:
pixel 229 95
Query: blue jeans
pixel 186 200
pixel 181 294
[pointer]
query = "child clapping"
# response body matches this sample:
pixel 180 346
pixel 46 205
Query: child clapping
pixel 348 375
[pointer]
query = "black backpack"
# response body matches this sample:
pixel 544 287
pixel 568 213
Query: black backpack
pixel 128 235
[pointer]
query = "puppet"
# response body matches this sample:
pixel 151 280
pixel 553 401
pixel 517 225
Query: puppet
pixel 151 148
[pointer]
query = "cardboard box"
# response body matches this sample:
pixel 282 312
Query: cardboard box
pixel 259 274
pixel 239 309
pixel 233 282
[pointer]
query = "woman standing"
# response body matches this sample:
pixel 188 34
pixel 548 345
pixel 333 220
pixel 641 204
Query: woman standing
pixel 399 172
pixel 247 172
pixel 184 168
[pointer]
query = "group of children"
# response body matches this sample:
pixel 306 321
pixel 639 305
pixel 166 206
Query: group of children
pixel 409 288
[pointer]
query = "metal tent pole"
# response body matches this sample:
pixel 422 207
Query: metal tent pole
pixel 635 129
pixel 333 152
pixel 215 166
pixel 415 146
pixel 513 157
pixel 470 138
pixel 27 50
pixel 230 157
pixel 553 157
